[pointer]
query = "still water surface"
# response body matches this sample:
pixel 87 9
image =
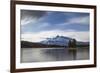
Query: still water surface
pixel 53 54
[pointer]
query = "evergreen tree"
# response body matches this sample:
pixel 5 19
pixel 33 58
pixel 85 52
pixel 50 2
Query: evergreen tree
pixel 72 43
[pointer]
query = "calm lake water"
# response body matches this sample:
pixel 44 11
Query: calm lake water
pixel 53 54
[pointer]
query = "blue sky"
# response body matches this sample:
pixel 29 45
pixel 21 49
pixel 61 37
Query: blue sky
pixel 43 22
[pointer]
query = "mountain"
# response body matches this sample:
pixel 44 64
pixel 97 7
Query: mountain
pixel 62 41
pixel 58 40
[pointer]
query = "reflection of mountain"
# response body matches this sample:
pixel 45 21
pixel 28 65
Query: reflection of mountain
pixel 58 41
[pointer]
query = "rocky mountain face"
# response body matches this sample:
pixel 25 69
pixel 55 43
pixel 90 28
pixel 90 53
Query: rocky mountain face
pixel 62 41
pixel 58 40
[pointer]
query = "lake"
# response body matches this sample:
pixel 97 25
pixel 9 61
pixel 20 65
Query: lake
pixel 53 54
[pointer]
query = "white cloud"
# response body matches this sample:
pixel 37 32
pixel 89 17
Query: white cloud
pixel 78 35
pixel 28 16
pixel 79 20
pixel 31 37
pixel 32 20
pixel 28 20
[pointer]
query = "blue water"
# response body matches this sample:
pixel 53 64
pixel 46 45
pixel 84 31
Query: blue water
pixel 53 54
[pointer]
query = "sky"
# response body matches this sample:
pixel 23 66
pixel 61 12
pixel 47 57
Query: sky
pixel 39 25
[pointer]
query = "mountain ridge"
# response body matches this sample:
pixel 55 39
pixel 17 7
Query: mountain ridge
pixel 57 41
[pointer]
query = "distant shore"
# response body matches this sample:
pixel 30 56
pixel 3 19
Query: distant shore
pixel 25 44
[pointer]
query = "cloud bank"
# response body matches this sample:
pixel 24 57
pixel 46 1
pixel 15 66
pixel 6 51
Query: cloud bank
pixel 37 37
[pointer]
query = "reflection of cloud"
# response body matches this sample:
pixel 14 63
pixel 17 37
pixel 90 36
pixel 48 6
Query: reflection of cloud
pixel 79 36
pixel 36 55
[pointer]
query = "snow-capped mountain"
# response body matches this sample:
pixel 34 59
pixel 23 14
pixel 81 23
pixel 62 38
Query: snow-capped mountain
pixel 58 40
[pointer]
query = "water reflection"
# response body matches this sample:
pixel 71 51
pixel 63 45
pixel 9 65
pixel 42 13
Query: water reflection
pixel 73 52
pixel 53 54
